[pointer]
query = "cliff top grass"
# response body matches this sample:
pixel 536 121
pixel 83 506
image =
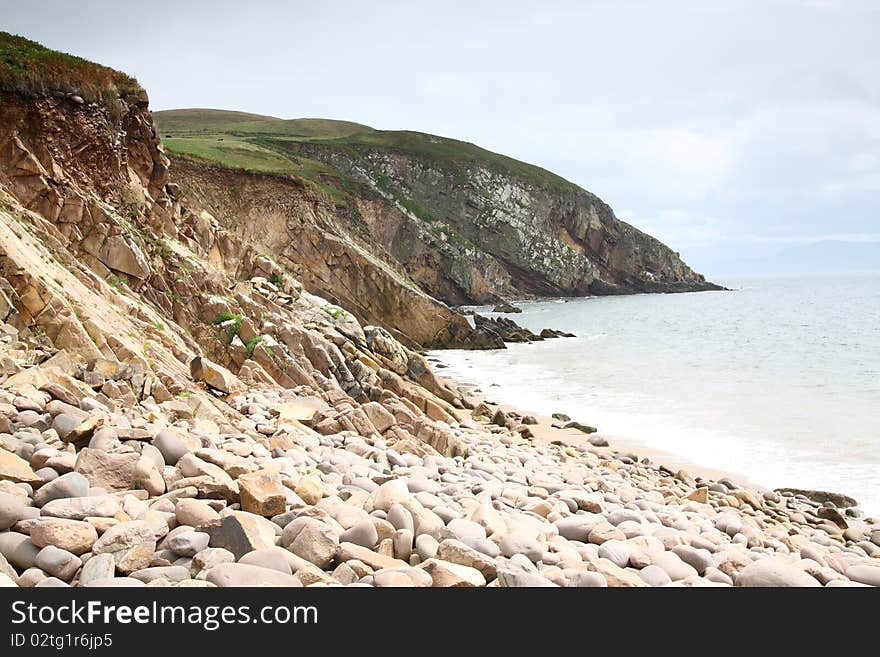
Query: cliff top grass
pixel 197 122
pixel 30 69
pixel 231 152
pixel 179 128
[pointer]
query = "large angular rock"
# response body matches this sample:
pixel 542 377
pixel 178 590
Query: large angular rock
pixel 209 479
pixel 312 540
pixel 700 495
pixel 447 574
pixel 379 416
pixel 120 254
pixel 112 472
pixel 16 469
pixel 241 532
pixel 455 551
pixel 132 544
pixel 214 375
pixel 262 493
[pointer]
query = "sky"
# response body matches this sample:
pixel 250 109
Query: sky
pixel 722 127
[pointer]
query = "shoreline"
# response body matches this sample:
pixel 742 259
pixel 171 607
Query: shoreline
pixel 544 433
pixel 793 420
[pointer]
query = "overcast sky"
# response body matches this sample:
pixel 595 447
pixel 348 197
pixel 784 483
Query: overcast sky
pixel 716 126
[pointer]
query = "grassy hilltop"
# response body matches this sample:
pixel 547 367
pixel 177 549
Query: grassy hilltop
pixel 264 143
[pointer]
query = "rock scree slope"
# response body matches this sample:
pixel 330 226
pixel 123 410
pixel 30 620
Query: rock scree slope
pixel 178 408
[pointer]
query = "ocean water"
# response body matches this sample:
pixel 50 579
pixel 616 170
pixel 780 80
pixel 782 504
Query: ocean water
pixel 777 381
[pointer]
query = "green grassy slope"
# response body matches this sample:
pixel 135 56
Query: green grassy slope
pixel 257 143
pixel 196 122
pixel 186 130
pixel 446 153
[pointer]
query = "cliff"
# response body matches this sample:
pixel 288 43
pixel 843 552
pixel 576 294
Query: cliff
pixel 306 234
pixel 465 224
pixel 100 259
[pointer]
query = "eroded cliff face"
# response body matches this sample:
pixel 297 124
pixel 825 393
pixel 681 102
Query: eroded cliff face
pixel 306 233
pixel 473 234
pixel 121 286
pixel 57 150
pixel 101 182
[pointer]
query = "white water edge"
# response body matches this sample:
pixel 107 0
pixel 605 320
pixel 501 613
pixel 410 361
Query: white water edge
pixel 777 381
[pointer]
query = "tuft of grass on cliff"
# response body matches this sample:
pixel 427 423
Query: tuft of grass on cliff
pixel 30 69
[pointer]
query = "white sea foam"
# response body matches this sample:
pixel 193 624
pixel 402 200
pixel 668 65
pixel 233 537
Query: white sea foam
pixel 776 381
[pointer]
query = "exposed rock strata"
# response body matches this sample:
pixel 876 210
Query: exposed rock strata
pixel 471 234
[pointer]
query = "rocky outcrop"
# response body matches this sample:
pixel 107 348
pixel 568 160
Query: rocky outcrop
pixel 509 331
pixel 141 295
pixel 307 234
pixel 479 227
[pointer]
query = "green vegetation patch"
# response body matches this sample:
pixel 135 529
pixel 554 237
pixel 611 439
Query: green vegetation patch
pixel 252 344
pixel 117 281
pixel 335 312
pixel 232 322
pixel 455 156
pixel 231 152
pixel 28 68
pixel 198 121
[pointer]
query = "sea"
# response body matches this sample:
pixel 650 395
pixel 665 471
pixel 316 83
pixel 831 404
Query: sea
pixel 776 380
